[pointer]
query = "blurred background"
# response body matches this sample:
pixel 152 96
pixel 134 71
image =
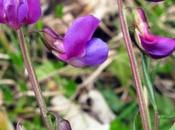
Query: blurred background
pixel 102 97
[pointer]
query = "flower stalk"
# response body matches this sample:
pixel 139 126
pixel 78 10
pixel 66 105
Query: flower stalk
pixel 134 68
pixel 150 89
pixel 33 79
pixel 156 120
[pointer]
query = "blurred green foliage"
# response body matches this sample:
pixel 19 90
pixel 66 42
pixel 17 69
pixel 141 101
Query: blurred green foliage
pixel 59 10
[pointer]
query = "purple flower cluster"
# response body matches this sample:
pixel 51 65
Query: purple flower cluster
pixel 78 48
pixel 16 13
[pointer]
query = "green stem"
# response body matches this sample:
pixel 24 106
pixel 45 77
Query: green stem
pixel 33 79
pixel 149 86
pixel 134 68
pixel 148 81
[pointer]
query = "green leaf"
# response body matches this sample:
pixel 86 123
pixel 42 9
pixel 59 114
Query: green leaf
pixel 70 88
pixel 39 25
pixel 173 127
pixel 135 120
pixel 8 94
pixel 47 68
pixel 165 68
pixel 128 110
pixel 59 10
pixel 118 125
pixel 171 116
pixel 114 102
pixel 148 82
pixel 166 106
pixel 121 67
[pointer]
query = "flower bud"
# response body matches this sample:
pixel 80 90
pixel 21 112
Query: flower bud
pixel 16 13
pixel 19 126
pixel 140 21
pixel 53 41
pixel 64 125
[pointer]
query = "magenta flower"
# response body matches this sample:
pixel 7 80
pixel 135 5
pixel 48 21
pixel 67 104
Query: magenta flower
pixel 155 46
pixel 158 46
pixel 78 48
pixel 16 13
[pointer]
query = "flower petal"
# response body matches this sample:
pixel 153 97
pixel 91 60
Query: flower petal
pixel 11 13
pixel 22 11
pixel 34 11
pixel 96 53
pixel 2 14
pixel 79 34
pixel 140 21
pixel 158 46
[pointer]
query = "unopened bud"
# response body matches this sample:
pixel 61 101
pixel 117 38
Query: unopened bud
pixel 19 126
pixel 53 41
pixel 141 21
pixel 64 125
pixel 140 15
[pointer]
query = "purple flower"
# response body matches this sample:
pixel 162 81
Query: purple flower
pixel 78 48
pixel 155 46
pixel 158 46
pixel 16 13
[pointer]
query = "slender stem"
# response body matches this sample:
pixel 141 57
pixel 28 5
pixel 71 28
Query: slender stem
pixel 33 79
pixel 128 44
pixel 156 120
pixel 148 81
pixel 149 86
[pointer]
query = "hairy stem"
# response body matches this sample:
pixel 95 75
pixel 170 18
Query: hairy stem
pixel 33 79
pixel 135 72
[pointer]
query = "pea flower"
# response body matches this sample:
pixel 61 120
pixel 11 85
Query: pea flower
pixel 77 47
pixel 16 13
pixel 154 45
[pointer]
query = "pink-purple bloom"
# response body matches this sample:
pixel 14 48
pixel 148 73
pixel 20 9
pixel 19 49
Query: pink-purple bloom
pixel 16 13
pixel 154 45
pixel 77 47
